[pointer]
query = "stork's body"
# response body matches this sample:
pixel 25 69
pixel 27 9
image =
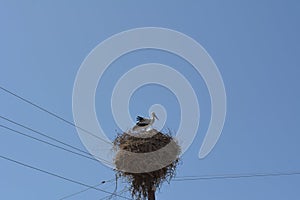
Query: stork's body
pixel 144 123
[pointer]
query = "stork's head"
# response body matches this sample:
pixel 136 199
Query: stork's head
pixel 154 115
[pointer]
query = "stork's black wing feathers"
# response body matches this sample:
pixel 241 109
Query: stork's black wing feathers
pixel 142 124
pixel 139 119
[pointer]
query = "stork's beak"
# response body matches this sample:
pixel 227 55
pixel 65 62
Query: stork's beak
pixel 155 116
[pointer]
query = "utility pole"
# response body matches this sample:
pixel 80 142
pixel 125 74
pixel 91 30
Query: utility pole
pixel 151 195
pixel 151 192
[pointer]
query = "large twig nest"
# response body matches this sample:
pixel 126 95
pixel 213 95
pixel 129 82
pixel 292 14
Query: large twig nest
pixel 146 160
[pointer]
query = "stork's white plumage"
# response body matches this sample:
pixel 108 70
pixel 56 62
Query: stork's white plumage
pixel 144 123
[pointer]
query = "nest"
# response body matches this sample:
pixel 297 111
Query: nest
pixel 146 160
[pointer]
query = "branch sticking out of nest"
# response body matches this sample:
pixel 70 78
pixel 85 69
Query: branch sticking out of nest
pixel 146 160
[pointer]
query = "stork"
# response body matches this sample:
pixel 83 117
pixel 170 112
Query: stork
pixel 144 123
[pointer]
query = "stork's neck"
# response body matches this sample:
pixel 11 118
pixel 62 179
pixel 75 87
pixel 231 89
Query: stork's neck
pixel 153 118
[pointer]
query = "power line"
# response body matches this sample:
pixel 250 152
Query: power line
pixel 81 191
pixel 59 176
pixel 53 145
pixel 43 134
pixel 51 113
pixel 49 137
pixel 235 176
pixel 120 193
pixel 211 177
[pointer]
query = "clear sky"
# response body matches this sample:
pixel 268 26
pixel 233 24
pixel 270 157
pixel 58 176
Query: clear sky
pixel 255 45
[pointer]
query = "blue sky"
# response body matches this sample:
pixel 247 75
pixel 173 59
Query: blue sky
pixel 255 45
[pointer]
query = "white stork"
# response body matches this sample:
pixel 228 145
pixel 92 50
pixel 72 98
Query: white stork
pixel 144 123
